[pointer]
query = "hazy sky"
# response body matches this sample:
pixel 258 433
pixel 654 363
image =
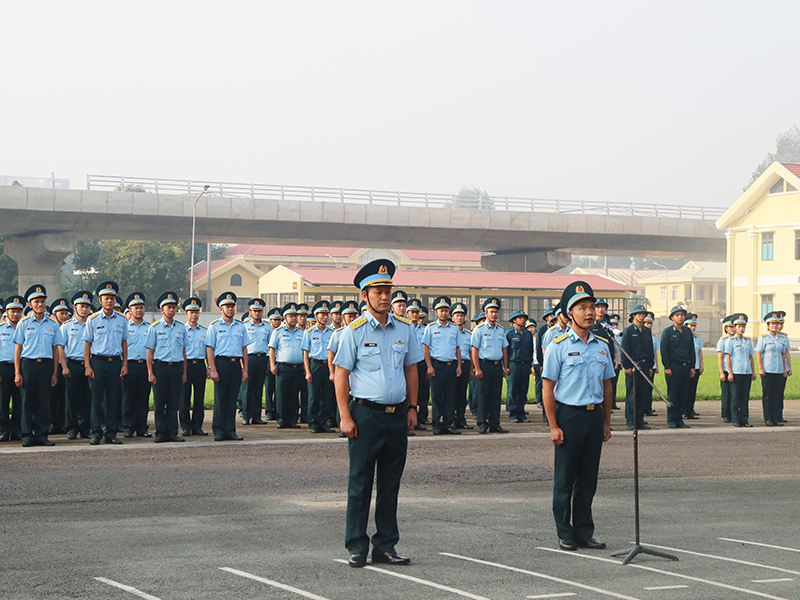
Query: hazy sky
pixel 635 101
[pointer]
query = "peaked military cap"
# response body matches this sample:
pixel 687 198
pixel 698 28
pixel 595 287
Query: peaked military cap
pixel 82 297
pixel 135 298
pixel 226 298
pixel 600 301
pixel 290 308
pixel 1 305
pixel 27 311
pixel 459 307
pixel 557 309
pixel 117 303
pixel 256 304
pixel 336 306
pixel 575 292
pixel 60 304
pixel 517 313
pixel 107 287
pixel 613 318
pixel 690 318
pixel 274 313
pixel 350 307
pixel 376 272
pixel 649 317
pixel 399 296
pixel 677 308
pixel 167 298
pixel 245 316
pixel 321 306
pixel 302 308
pixel 414 304
pixel 362 306
pixel 441 302
pixel 37 290
pixel 531 323
pixel 740 319
pixel 478 316
pixel 727 321
pixel 781 314
pixel 491 302
pixel 423 310
pixel 772 317
pixel 15 301
pixel 193 303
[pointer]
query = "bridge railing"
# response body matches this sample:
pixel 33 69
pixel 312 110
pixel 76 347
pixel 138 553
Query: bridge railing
pixel 258 191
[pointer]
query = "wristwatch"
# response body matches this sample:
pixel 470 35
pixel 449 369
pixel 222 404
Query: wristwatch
pixel 414 406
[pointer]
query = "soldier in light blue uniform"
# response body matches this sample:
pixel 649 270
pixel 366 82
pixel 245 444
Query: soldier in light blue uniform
pixel 375 376
pixel 459 313
pixel 302 323
pixel 192 410
pixel 259 333
pixel 349 312
pixel 739 356
pixel 788 361
pixel 557 329
pixel 489 355
pixel 136 384
pixel 275 320
pixel 11 399
pixel 772 350
pixel 413 310
pixel 472 394
pixel 286 363
pixel 226 353
pixel 691 323
pixel 62 312
pixel 321 397
pixel 577 397
pixel 38 342
pixel 726 387
pixel 166 366
pixel 73 367
pixel 443 366
pixel 648 395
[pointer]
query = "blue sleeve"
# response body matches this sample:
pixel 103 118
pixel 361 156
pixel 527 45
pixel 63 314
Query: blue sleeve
pixel 58 338
pixel 426 337
pixel 19 334
pixel 346 355
pixel 273 338
pixel 760 345
pixel 124 331
pixel 88 331
pixel 504 343
pixel 306 343
pixel 608 372
pixel 728 346
pixel 211 336
pixel 414 354
pixel 552 364
pixel 245 337
pixel 150 340
pixel 475 340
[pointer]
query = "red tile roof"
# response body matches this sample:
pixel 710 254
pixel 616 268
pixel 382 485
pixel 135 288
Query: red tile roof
pixel 199 270
pixel 468 279
pixel 795 169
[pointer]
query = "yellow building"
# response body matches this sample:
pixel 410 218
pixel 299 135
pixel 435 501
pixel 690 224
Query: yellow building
pixel 763 232
pixel 699 286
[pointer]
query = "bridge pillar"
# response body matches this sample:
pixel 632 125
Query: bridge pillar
pixel 39 259
pixel 541 261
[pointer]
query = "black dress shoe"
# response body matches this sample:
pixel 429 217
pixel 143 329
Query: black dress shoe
pixel 326 429
pixel 590 542
pixel 408 434
pixel 390 558
pixel 498 429
pixel 186 432
pixel 692 416
pixel 219 438
pixel 314 430
pixel 257 422
pixel 357 559
pixel 47 443
pixel 27 443
pixel 245 421
pixel 113 441
pixel 464 426
pixel 438 431
pixel 567 544
pixel 483 429
pixel 5 437
pixel 726 420
pixel 175 438
pixel 270 416
pixel 234 438
pixel 342 434
pixel 198 432
pixel 95 441
pixel 145 434
pixel 128 434
pixel 420 427
pixel 160 439
pixel 452 431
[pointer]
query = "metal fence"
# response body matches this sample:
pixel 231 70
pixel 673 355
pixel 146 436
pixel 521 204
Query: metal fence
pixel 387 198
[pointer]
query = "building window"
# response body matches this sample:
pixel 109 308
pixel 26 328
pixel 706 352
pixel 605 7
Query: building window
pixel 777 188
pixel 711 294
pixel 687 294
pixel 797 245
pixel 236 280
pixel 287 297
pixel 673 295
pixel 766 304
pixel 701 293
pixel 721 293
pixel 537 307
pixel 271 300
pixel 797 308
pixel 767 246
pixel 663 289
pixel 508 303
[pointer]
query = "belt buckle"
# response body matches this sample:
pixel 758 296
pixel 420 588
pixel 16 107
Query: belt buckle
pixel 390 409
pixel 110 360
pixel 39 360
pixel 590 407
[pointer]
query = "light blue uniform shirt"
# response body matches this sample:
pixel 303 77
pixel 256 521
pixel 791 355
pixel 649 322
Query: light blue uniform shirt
pixel 37 338
pixel 721 343
pixel 196 342
pixel 287 345
pixel 316 342
pixel 771 350
pixel 441 341
pixel 72 331
pixel 7 345
pixel 787 346
pixel 376 355
pixel 552 333
pixel 698 348
pixel 656 348
pixel 419 331
pixel 106 333
pixel 259 337
pixel 578 368
pixel 489 341
pixel 227 340
pixel 740 351
pixel 465 343
pixel 167 342
pixel 333 343
pixel 137 337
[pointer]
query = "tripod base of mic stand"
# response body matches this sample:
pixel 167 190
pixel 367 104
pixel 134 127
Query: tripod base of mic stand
pixel 639 549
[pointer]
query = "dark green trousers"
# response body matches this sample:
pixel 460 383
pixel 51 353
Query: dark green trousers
pixel 517 383
pixel 10 402
pixel 322 397
pixel 36 392
pixel 167 397
pixel 269 400
pixel 226 391
pixel 772 386
pixel 106 397
pixel 443 393
pixel 462 388
pixel 490 391
pixel 678 392
pixel 193 411
pixel 577 462
pixel 257 367
pixel 740 404
pixel 380 448
pixel 58 404
pixel 424 390
pixel 726 396
pixel 136 389
pixel 290 380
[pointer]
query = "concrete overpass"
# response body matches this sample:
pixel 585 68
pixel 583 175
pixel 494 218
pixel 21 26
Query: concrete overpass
pixel 42 226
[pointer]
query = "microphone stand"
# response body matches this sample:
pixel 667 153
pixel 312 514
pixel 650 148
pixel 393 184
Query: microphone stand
pixel 637 548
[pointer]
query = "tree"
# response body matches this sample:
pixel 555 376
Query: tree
pixel 787 150
pixel 9 282
pixel 474 198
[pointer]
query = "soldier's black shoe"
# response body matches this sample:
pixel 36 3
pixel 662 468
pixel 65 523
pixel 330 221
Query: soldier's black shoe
pixel 257 422
pixel 198 432
pixel 186 432
pixel 175 438
pixel 128 434
pixel 95 441
pixel 498 429
pixel 314 429
pixel 160 439
pixel 692 416
pixel 245 421
pixel 590 542
pixel 144 434
pixel 483 429
pixel 48 443
pixel 452 431
pixel 726 420
pixel 464 426
pixel 27 443
pixel 342 434
pixel 289 426
pixel 235 438
pixel 357 559
pixel 5 437
pixel 391 558
pixel 438 431
pixel 408 433
pixel 420 427
pixel 567 544
pixel 219 438
pixel 326 429
pixel 113 440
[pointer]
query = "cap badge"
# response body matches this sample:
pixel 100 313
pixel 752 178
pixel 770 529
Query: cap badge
pixel 579 289
pixel 109 287
pixel 382 270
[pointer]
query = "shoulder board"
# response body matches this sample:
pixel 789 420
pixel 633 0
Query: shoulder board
pixel 53 319
pixel 214 321
pixel 695 335
pixel 331 327
pixel 236 321
pixel 780 333
pixel 601 338
pixel 176 322
pixel 203 326
pixel 561 338
pixel 358 322
pixel 467 330
pixel 405 320
pixel 25 318
pixel 93 315
pixel 765 335
pixel 654 335
pixel 552 327
pixel 479 326
pixel 146 323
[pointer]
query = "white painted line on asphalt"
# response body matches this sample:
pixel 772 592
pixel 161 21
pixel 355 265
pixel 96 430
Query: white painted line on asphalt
pixel 127 588
pixel 667 587
pixel 542 576
pixel 276 584
pixel 562 595
pixel 772 580
pixel 662 572
pixel 760 544
pixel 726 559
pixel 438 586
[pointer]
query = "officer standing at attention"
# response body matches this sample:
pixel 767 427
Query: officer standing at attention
pixel 771 353
pixel 726 387
pixel 399 303
pixel 192 411
pixel 549 318
pixel 648 322
pixel 11 399
pixel 413 309
pixel 321 398
pixel 376 374
pixel 275 320
pixel 259 333
pixel 136 384
pixel 73 367
pixel 459 312
pixel 472 394
pixel 739 356
pixel 678 357
pixel 62 313
pixel 520 365
pixel 226 353
pixel 637 341
pixel 302 325
pixel 577 397
pixel 286 362
pixel 614 319
pixel 166 367
pixel 787 361
pixel 336 315
pixel 490 356
pixel 602 316
pixel 37 339
pixel 443 366
pixel 691 323
pixel 105 353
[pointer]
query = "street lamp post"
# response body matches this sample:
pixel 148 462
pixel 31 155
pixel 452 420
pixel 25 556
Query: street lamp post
pixel 335 262
pixel 194 222
pixel 666 286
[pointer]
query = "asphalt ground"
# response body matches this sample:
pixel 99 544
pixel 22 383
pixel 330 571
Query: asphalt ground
pixel 264 518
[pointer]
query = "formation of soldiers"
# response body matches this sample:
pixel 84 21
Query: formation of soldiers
pixel 76 369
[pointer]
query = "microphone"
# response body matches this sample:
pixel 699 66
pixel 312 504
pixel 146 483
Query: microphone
pixel 608 327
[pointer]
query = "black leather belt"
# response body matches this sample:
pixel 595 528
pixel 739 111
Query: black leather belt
pixel 442 362
pixel 169 363
pixel 292 365
pixel 75 361
pixel 586 407
pixel 230 358
pixel 196 361
pixel 491 362
pixel 387 408
pixel 318 361
pixel 38 360
pixel 683 364
pixel 257 354
pixel 107 358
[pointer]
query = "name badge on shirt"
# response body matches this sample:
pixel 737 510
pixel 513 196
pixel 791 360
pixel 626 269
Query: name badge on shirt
pixel 370 345
pixel 574 354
